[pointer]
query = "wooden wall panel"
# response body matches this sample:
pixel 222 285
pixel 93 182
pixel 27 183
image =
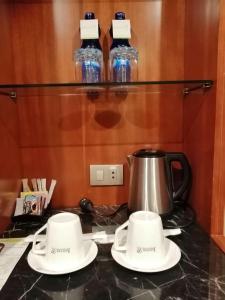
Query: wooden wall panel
pixel 9 158
pixel 79 121
pixel 61 135
pixel 138 119
pixel 6 55
pixel 201 39
pixel 9 135
pixel 218 205
pixel 199 114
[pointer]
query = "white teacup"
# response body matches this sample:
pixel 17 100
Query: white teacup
pixel 145 244
pixel 63 245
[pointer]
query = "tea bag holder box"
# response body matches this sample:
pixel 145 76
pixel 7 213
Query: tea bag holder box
pixel 33 204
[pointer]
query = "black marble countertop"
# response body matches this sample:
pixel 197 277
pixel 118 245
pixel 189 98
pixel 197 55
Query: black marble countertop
pixel 200 274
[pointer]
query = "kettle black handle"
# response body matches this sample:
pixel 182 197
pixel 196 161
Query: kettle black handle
pixel 182 159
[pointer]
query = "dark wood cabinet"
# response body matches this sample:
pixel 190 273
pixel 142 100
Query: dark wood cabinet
pixel 58 135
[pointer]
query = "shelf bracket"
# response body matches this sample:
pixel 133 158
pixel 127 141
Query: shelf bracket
pixel 11 95
pixel 204 86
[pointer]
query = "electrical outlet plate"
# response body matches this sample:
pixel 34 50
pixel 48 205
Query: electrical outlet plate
pixel 106 174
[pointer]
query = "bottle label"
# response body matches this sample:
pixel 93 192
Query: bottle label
pixel 89 29
pixel 121 29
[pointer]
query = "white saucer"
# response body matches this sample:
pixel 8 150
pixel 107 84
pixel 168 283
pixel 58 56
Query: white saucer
pixel 172 258
pixel 38 262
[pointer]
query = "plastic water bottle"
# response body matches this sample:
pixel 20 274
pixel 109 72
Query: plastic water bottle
pixel 123 58
pixel 89 58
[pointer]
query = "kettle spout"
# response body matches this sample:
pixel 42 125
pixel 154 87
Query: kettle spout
pixel 130 159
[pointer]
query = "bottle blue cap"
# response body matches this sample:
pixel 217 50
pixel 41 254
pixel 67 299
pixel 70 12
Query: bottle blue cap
pixel 89 16
pixel 120 15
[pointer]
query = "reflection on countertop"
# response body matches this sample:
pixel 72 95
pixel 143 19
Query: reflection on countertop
pixel 200 273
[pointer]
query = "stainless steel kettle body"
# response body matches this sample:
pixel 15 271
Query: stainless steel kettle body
pixel 151 180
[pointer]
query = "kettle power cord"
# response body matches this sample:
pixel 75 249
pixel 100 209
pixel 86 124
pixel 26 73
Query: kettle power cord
pixel 87 206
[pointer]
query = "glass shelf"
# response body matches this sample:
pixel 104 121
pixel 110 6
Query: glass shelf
pixel 72 88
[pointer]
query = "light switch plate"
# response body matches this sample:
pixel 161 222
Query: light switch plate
pixel 106 175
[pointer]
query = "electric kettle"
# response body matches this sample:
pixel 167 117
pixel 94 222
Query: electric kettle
pixel 151 184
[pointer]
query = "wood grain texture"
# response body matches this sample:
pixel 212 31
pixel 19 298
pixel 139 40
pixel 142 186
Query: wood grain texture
pixel 4 223
pixel 76 120
pixel 220 241
pixel 9 156
pixel 218 205
pixel 9 134
pixel 6 50
pixel 198 145
pixel 201 39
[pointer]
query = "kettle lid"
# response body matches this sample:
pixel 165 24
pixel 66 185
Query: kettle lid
pixel 148 153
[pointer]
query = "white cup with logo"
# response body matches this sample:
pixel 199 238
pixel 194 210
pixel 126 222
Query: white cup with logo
pixel 63 245
pixel 145 243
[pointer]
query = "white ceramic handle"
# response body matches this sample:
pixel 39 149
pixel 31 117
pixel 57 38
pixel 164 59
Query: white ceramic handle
pixel 116 241
pixel 34 249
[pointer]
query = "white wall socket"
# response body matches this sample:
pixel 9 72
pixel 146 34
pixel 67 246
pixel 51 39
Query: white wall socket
pixel 106 174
